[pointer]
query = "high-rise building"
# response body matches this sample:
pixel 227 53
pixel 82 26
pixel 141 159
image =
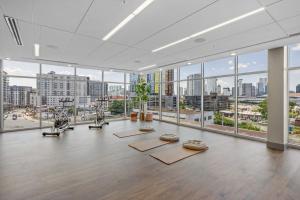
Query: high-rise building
pixel 20 95
pixel 169 86
pixel 6 89
pixel 262 86
pixel 226 91
pixel 240 87
pixel 133 78
pixel 248 90
pixel 298 88
pixel 219 90
pixel 54 87
pixel 95 89
pixel 211 86
pixel 194 85
pixel 156 82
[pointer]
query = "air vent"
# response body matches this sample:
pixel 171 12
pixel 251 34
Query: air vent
pixel 12 24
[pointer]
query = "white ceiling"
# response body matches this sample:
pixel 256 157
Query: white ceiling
pixel 72 31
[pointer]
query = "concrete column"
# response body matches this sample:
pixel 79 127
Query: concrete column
pixel 1 98
pixel 277 98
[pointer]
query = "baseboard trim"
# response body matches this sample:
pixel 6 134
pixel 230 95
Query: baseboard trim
pixel 276 146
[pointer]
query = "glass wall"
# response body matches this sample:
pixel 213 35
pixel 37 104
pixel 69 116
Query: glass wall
pixel 169 95
pixel 56 85
pixel 114 89
pixel 32 92
pixel 252 90
pixel 219 95
pixel 88 91
pixel 20 96
pixel 190 91
pixel 132 104
pixel 294 94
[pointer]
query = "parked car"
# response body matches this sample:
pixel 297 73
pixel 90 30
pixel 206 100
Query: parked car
pixel 14 116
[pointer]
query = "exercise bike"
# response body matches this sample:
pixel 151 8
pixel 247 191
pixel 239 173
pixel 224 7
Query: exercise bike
pixel 61 119
pixel 100 113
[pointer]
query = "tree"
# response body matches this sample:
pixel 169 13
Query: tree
pixel 181 105
pixel 263 109
pixel 117 107
pixel 142 91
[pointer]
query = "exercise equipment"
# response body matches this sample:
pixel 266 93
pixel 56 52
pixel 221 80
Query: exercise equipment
pixel 100 113
pixel 61 118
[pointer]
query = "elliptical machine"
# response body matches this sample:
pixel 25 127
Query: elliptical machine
pixel 61 119
pixel 100 115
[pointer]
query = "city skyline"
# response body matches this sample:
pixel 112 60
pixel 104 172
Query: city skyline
pixel 247 63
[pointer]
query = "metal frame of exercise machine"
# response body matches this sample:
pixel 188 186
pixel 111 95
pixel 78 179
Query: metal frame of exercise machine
pixel 62 119
pixel 100 113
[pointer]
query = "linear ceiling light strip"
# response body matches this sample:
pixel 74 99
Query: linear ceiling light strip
pixel 128 19
pixel 210 29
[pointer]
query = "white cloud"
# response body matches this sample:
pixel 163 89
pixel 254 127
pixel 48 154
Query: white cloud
pixel 296 47
pixel 244 65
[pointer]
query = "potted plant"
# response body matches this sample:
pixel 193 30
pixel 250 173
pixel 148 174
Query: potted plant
pixel 142 91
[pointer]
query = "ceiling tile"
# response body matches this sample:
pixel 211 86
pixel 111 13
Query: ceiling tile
pixel 285 9
pixel 157 17
pixel 103 16
pixel 200 21
pixel 61 14
pixel 291 25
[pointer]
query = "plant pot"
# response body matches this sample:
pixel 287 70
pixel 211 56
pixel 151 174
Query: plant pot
pixel 133 116
pixel 142 116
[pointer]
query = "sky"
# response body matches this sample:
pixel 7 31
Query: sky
pixel 256 61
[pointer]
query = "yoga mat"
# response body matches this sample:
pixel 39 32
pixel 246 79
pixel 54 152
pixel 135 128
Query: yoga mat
pixel 147 144
pixel 128 133
pixel 173 155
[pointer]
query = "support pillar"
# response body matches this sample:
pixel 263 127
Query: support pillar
pixel 277 99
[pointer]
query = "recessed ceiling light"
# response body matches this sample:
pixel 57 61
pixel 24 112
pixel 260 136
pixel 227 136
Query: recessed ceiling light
pixel 199 40
pixel 7 58
pixel 128 19
pixel 210 29
pixel 147 67
pixel 189 63
pixel 160 69
pixel 37 50
pixel 233 54
pixel 69 65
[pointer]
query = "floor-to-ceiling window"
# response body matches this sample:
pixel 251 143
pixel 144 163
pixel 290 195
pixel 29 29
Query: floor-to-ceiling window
pixel 190 91
pixel 132 104
pixel 169 95
pixel 21 99
pixel 219 95
pixel 88 93
pixel 57 89
pixel 294 94
pixel 252 90
pixel 153 81
pixel 114 90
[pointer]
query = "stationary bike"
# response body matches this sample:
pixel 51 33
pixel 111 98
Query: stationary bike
pixel 61 119
pixel 100 115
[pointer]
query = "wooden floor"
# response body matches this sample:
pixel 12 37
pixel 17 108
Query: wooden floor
pixel 95 164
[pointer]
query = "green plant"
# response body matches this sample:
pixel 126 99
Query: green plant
pixel 248 126
pixel 263 109
pixel 142 91
pixel 117 107
pixel 218 118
